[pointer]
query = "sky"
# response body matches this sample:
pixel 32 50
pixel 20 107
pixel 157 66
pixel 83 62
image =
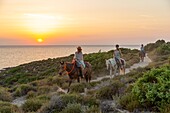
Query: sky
pixel 83 22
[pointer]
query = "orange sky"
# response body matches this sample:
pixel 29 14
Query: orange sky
pixel 83 21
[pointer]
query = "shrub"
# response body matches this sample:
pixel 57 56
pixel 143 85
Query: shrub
pixel 165 109
pixel 72 108
pixel 93 84
pixel 31 94
pixel 108 91
pixel 32 105
pixel 78 87
pixel 23 89
pixel 58 103
pixel 5 95
pixel 90 101
pixel 104 93
pixel 58 80
pixel 6 107
pixel 43 89
pixel 163 49
pixel 152 90
pixel 129 102
pixel 93 109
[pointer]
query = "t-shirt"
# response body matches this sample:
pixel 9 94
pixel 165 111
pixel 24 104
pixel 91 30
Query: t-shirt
pixel 117 54
pixel 142 49
pixel 78 56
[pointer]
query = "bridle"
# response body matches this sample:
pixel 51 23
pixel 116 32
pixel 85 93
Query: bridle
pixel 65 68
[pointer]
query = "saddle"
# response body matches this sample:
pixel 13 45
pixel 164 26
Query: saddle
pixel 119 64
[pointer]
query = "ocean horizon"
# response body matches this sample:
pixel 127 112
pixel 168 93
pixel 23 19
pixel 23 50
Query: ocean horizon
pixel 14 55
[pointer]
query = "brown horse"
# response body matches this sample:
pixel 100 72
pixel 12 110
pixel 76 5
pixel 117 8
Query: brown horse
pixel 73 71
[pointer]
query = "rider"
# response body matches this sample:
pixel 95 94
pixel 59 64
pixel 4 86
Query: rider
pixel 117 56
pixel 78 57
pixel 142 52
pixel 142 48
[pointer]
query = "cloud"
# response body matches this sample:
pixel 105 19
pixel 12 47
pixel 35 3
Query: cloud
pixel 11 41
pixel 146 16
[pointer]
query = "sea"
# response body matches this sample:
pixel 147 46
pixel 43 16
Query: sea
pixel 11 56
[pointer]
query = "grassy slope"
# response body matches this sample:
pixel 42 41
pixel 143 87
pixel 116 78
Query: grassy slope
pixel 42 69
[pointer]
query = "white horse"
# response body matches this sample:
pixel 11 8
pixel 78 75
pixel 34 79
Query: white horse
pixel 112 65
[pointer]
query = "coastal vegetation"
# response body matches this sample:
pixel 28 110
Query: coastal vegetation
pixel 141 90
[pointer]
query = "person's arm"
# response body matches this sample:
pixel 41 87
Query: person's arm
pixel 120 53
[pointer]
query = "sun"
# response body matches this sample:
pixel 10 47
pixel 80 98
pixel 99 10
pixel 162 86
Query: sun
pixel 40 40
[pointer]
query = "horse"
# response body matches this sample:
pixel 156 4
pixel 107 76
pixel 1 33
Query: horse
pixel 142 55
pixel 73 71
pixel 111 64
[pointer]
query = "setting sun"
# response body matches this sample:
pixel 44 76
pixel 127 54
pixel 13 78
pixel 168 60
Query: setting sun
pixel 39 40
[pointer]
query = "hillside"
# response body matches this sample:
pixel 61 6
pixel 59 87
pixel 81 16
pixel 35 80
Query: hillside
pixel 38 82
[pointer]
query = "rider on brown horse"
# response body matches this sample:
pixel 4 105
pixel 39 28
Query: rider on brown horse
pixel 78 58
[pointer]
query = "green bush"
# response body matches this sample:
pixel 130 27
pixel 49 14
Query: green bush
pixel 129 102
pixel 58 103
pixel 152 90
pixel 151 46
pixel 43 89
pixel 31 94
pixel 5 95
pixel 164 49
pixel 90 101
pixel 104 93
pixel 23 89
pixel 108 91
pixel 165 109
pixel 78 87
pixel 6 107
pixel 72 108
pixel 32 105
pixel 93 109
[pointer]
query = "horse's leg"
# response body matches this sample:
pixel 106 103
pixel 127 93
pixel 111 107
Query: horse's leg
pixel 78 79
pixel 118 69
pixel 110 71
pixel 86 77
pixel 123 70
pixel 70 81
pixel 89 77
pixel 115 70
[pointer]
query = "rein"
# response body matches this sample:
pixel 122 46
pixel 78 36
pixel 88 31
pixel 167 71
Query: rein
pixel 65 68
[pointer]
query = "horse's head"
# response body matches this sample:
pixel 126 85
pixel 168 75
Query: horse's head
pixel 62 68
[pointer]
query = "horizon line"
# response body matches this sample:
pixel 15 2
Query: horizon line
pixel 74 45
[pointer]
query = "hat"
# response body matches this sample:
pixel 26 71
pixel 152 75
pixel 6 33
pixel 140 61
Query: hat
pixel 79 48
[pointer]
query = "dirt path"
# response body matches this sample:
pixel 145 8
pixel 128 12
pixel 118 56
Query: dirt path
pixel 146 62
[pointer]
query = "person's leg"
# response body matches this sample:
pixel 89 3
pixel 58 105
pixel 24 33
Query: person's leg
pixel 80 72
